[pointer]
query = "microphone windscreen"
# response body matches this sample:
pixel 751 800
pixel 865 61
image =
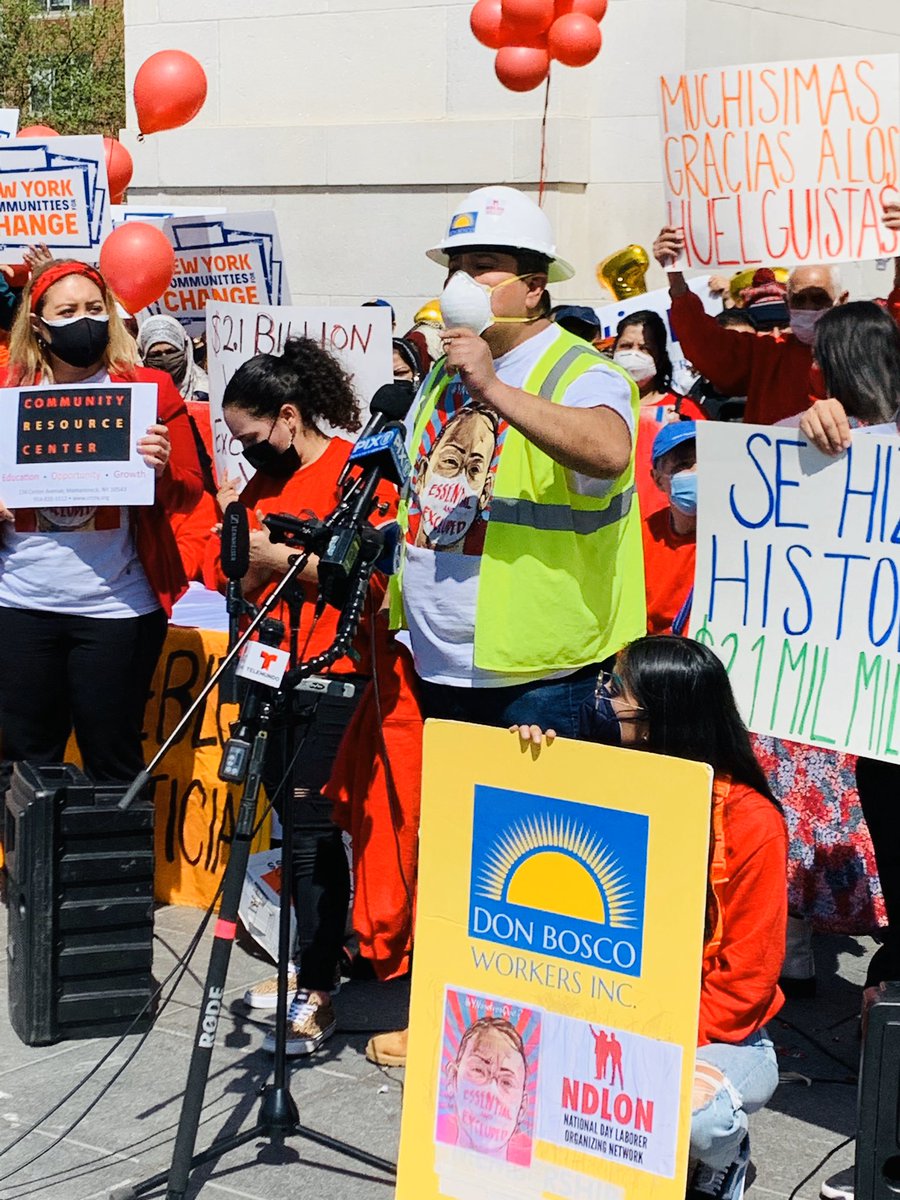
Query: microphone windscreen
pixel 235 541
pixel 394 400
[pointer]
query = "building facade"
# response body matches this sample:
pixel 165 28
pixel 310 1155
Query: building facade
pixel 362 121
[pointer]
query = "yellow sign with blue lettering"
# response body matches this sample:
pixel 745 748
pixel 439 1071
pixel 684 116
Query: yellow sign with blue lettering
pixel 556 988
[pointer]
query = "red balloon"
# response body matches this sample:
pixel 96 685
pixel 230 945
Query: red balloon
pixel 595 9
pixel 138 262
pixel 522 68
pixel 37 131
pixel 527 17
pixel 574 39
pixel 169 90
pixel 488 25
pixel 119 169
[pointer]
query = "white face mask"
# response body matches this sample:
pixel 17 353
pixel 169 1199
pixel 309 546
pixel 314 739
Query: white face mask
pixel 449 507
pixel 466 304
pixel 804 322
pixel 640 366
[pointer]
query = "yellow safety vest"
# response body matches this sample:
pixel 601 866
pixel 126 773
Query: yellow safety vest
pixel 561 582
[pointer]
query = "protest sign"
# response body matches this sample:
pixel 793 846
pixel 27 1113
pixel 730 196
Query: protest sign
pixel 554 936
pixel 195 810
pixel 75 446
pixel 234 259
pixel 156 214
pixel 785 162
pixel 360 338
pixel 797 583
pixel 660 302
pixel 55 191
pixel 9 123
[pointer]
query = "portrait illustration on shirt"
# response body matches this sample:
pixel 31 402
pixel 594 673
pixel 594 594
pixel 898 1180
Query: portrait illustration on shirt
pixel 453 478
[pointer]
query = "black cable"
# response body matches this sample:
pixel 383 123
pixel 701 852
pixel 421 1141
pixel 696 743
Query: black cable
pixel 820 1164
pixel 823 1049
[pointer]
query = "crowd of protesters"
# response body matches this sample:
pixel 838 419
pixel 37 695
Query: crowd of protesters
pixel 549 538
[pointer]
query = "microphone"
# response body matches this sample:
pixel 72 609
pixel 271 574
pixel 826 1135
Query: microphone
pixel 390 403
pixel 378 456
pixel 235 557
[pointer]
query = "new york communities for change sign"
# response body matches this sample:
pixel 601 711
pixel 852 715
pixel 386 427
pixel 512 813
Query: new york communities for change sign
pixel 785 162
pixel 797 585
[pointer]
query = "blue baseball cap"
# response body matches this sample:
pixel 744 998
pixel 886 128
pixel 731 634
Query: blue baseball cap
pixel 673 435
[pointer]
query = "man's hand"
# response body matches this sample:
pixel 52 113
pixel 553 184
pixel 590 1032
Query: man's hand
pixel 825 424
pixel 668 246
pixel 470 355
pixel 34 256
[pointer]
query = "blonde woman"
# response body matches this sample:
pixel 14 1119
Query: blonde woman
pixel 85 592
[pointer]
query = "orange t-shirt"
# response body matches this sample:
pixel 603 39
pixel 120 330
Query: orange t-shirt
pixel 740 992
pixel 311 489
pixel 668 569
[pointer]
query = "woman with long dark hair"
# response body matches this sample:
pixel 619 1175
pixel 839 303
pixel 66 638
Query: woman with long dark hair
pixel 281 408
pixel 670 695
pixel 85 591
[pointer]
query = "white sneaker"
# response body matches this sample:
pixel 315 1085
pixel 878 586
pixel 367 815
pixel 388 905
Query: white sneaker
pixel 310 1021
pixel 265 993
pixel 727 1184
pixel 840 1186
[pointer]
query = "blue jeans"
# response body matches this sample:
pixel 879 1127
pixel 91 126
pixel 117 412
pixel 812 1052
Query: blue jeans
pixel 551 704
pixel 751 1073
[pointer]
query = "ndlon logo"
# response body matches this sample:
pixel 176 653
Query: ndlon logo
pixel 210 1023
pixel 559 878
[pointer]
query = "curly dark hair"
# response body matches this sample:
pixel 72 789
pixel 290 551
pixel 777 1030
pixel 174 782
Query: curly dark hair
pixel 304 375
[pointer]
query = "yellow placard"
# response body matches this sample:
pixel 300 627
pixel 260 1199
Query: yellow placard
pixel 556 986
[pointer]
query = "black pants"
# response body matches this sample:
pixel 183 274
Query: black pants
pixel 879 797
pixel 59 672
pixel 320 875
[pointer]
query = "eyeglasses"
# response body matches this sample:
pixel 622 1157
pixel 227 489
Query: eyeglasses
pixel 610 685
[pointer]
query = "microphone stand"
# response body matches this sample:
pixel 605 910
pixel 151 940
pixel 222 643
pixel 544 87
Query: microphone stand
pixel 278 1114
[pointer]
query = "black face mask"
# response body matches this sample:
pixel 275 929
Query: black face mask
pixel 597 721
pixel 80 343
pixel 265 458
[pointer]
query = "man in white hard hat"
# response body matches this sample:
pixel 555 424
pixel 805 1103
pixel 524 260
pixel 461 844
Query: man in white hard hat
pixel 522 569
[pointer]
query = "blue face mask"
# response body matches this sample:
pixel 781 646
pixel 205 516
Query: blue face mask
pixel 684 492
pixel 597 721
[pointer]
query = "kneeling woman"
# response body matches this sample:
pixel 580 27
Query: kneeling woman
pixel 279 408
pixel 672 696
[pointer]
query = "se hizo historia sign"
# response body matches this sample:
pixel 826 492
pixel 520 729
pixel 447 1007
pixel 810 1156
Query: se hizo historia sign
pixel 782 162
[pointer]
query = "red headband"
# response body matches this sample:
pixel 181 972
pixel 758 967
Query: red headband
pixel 58 271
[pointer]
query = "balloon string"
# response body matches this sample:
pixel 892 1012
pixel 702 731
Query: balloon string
pixel 543 168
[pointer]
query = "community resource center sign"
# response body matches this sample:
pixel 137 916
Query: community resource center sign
pixel 798 583
pixel 553 1024
pixel 787 162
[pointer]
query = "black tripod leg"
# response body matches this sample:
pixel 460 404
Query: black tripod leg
pixel 214 987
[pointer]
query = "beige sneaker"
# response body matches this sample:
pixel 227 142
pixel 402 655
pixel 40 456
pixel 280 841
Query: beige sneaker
pixel 265 993
pixel 388 1049
pixel 310 1021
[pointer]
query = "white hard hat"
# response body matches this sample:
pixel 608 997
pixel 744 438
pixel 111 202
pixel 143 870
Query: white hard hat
pixel 502 217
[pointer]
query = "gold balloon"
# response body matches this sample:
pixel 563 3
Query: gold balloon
pixel 430 314
pixel 623 272
pixel 744 279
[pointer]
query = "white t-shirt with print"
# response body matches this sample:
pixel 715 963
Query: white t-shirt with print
pixel 79 561
pixel 450 506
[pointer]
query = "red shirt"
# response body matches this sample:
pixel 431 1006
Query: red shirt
pixel 773 373
pixel 311 489
pixel 668 568
pixel 651 419
pixel 740 992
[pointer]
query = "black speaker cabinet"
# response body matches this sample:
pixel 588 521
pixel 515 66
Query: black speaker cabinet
pixel 878 1120
pixel 80 896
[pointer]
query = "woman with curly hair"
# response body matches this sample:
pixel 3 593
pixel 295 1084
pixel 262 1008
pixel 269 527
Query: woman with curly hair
pixel 280 409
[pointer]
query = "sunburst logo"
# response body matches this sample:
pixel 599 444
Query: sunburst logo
pixel 559 878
